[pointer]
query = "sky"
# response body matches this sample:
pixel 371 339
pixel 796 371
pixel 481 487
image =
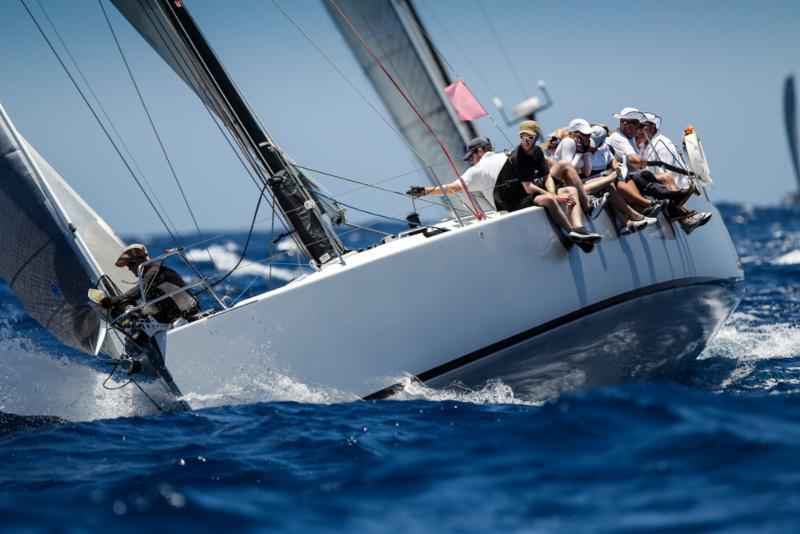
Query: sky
pixel 718 65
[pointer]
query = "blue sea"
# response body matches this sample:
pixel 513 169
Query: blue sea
pixel 717 449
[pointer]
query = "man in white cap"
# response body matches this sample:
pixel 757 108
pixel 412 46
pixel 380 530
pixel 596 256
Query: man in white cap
pixel 623 140
pixel 157 280
pixel 665 163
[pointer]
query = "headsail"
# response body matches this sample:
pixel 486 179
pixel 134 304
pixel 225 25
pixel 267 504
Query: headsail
pixel 790 119
pixel 395 34
pixel 55 247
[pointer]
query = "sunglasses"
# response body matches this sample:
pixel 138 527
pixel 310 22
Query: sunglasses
pixel 632 122
pixel 527 137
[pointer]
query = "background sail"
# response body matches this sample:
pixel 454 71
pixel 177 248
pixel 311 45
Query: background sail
pixel 40 259
pixel 394 33
pixel 790 118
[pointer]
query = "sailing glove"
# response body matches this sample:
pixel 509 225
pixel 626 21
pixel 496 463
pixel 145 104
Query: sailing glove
pixel 416 191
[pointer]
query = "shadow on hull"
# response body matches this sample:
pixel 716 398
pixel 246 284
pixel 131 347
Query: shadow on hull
pixel 629 341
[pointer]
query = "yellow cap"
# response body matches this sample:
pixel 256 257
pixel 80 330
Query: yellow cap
pixel 529 128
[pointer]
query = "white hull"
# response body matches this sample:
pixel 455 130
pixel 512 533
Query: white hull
pixel 502 298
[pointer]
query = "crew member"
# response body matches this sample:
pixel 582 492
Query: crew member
pixel 157 280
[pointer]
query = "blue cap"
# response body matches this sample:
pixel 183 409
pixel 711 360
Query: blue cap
pixel 475 144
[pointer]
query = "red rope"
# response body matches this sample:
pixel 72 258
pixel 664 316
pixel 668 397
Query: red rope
pixel 478 211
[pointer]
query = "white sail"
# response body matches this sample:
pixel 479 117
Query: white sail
pixel 55 247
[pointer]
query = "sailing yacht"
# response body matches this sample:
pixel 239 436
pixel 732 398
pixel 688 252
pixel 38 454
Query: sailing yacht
pixel 478 296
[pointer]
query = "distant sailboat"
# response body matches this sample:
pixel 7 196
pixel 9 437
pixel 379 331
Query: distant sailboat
pixel 790 121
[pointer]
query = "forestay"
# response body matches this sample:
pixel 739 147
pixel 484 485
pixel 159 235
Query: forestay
pixel 55 247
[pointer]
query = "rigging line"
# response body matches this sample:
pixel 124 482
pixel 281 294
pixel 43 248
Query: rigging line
pixel 190 72
pixel 350 83
pixel 247 241
pixel 105 114
pixel 235 118
pixel 477 210
pixel 386 55
pixel 384 180
pixel 152 123
pixel 271 243
pixel 102 126
pixel 245 135
pixel 365 184
pixel 272 256
pixel 441 55
pixel 479 72
pixel 500 45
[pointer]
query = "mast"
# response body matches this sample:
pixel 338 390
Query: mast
pixel 170 29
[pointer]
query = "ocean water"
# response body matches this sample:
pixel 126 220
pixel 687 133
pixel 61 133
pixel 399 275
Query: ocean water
pixel 716 449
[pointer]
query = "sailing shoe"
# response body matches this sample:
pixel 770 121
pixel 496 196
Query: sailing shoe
pixel 582 235
pixel 680 197
pixel 706 216
pixel 596 206
pixel 655 208
pixel 622 169
pixel 695 221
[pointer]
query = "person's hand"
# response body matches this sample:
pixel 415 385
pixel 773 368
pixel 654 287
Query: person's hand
pixel 565 200
pixel 416 191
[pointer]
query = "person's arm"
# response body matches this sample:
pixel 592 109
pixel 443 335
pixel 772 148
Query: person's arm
pixel 533 189
pixel 451 188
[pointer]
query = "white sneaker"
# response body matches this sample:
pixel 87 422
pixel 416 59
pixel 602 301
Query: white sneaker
pixel 596 206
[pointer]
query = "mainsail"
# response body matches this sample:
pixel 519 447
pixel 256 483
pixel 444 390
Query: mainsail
pixel 395 34
pixel 54 246
pixel 169 28
pixel 790 119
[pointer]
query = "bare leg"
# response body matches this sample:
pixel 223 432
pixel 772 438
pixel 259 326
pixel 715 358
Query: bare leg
pixel 566 173
pixel 548 202
pixel 632 196
pixel 574 211
pixel 667 180
pixel 618 203
pixel 598 184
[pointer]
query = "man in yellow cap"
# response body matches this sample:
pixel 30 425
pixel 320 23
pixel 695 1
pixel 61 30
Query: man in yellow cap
pixel 157 280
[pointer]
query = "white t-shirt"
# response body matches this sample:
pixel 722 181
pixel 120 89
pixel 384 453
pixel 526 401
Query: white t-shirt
pixel 567 150
pixel 661 148
pixel 600 159
pixel 481 177
pixel 621 144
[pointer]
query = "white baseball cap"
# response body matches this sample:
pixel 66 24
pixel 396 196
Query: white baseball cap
pixel 652 117
pixel 629 114
pixel 580 125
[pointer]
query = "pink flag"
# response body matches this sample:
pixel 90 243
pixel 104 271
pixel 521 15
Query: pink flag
pixel 464 101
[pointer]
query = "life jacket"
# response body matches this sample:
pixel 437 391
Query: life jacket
pixel 508 191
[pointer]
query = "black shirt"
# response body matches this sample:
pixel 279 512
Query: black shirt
pixel 529 167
